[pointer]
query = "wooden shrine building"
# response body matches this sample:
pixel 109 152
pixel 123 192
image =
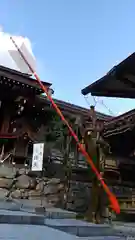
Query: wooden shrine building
pixel 25 114
pixel 119 131
pixel 17 97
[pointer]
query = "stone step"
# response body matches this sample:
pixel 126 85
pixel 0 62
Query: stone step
pixel 73 227
pixel 21 219
pixel 103 238
pixel 34 208
pixel 80 228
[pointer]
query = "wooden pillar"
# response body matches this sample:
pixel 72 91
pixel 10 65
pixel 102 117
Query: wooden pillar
pixel 6 121
pixel 91 148
pixel 91 139
pixel 67 169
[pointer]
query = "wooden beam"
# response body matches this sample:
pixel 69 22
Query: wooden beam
pixel 113 93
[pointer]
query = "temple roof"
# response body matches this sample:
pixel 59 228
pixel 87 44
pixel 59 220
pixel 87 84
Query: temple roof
pixel 118 82
pixel 120 124
pixel 20 78
pixel 119 132
pixel 73 109
pixel 11 78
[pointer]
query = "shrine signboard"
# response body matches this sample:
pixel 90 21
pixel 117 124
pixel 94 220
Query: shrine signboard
pixel 37 158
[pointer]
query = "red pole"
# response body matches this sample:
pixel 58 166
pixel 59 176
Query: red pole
pixel 114 203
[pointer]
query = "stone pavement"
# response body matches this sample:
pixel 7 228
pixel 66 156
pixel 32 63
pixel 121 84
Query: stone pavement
pixel 53 223
pixel 29 232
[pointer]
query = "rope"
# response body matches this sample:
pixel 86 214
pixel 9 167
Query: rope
pixel 96 101
pixel 86 99
pixel 109 110
pixel 111 196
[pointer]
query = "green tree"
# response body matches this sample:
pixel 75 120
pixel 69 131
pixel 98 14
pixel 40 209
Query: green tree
pixel 59 138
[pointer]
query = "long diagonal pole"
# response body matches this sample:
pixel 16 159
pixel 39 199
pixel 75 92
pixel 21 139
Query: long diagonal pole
pixel 114 203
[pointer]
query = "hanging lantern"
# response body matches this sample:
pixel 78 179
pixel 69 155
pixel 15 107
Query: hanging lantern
pixel 50 92
pixel 78 120
pixel 22 108
pixel 25 136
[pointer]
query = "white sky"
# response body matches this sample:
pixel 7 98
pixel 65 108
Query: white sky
pixel 6 45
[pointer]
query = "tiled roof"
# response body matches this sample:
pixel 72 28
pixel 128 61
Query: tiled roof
pixel 75 109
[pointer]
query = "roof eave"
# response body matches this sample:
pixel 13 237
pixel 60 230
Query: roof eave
pixel 122 76
pixel 18 76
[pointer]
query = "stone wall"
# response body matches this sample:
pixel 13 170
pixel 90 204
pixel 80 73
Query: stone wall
pixel 23 184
